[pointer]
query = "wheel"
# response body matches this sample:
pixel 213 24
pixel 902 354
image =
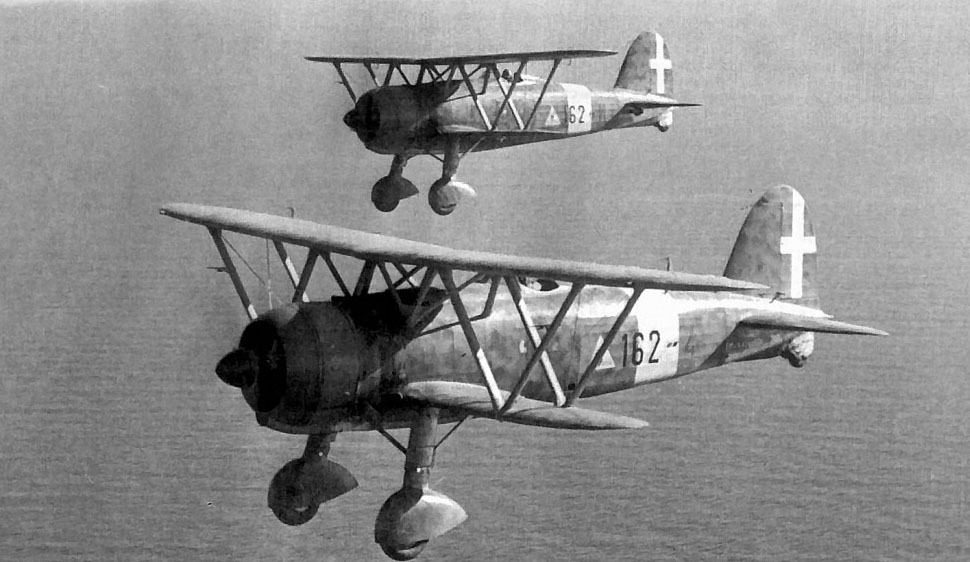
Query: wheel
pixel 383 196
pixel 404 554
pixel 298 489
pixel 294 516
pixel 443 197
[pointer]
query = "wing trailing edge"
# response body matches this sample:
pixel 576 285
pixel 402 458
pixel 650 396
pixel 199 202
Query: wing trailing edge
pixel 473 400
pixel 784 321
pixel 377 247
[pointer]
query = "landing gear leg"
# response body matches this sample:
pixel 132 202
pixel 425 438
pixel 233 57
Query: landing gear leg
pixel 298 489
pixel 415 514
pixel 389 190
pixel 445 192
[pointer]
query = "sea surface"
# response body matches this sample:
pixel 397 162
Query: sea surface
pixel 117 442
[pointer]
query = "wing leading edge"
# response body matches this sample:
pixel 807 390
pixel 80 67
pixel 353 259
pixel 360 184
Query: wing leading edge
pixel 499 58
pixel 474 400
pixel 376 247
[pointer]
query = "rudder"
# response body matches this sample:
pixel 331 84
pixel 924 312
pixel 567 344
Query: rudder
pixel 643 70
pixel 776 247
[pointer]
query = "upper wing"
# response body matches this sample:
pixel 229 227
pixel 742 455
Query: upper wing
pixel 377 248
pixel 499 58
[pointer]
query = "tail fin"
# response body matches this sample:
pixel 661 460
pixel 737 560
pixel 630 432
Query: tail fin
pixel 776 247
pixel 647 66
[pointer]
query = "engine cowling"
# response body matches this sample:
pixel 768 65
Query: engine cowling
pixel 393 119
pixel 295 361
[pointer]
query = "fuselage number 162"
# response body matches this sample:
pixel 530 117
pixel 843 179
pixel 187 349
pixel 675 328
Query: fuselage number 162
pixel 634 350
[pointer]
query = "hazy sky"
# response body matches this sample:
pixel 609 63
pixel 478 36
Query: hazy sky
pixel 117 107
pixel 111 321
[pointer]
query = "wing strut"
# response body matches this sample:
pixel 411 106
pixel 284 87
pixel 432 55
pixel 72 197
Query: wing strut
pixel 299 292
pixel 418 313
pixel 345 82
pixel 288 266
pixel 373 75
pixel 363 282
pixel 485 313
pixel 471 90
pixel 607 341
pixel 506 96
pixel 233 274
pixel 406 275
pixel 336 274
pixel 466 325
pixel 542 94
pixel 539 347
pixel 391 287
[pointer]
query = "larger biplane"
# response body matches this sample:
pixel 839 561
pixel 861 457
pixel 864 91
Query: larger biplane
pixel 449 106
pixel 443 335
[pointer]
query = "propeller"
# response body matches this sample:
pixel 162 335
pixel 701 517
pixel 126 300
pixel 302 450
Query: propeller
pixel 258 362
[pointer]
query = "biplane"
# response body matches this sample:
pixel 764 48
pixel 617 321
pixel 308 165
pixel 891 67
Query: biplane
pixel 425 335
pixel 449 106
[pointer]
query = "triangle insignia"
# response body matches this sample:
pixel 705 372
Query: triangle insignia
pixel 607 361
pixel 552 120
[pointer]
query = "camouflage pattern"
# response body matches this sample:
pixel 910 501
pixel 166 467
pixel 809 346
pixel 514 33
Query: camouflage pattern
pixel 337 355
pixel 419 118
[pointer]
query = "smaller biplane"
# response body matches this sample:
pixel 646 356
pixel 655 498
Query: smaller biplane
pixel 447 107
pixel 431 347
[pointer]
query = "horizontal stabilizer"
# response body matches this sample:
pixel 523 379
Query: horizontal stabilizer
pixel 783 321
pixel 474 400
pixel 659 102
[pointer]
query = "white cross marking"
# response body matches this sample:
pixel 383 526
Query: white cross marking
pixel 660 64
pixel 797 245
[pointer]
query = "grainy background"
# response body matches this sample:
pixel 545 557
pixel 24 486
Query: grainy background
pixel 117 443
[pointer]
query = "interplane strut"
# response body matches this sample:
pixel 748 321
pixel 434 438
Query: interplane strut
pixel 432 72
pixel 476 348
pixel 607 341
pixel 539 346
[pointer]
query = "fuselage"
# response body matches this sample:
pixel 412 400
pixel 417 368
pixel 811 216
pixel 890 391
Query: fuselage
pixel 346 351
pixel 420 119
pixel 668 334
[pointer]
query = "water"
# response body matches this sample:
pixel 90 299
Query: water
pixel 117 443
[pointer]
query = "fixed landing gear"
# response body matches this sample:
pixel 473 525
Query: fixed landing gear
pixel 298 489
pixel 415 514
pixel 444 195
pixel 392 188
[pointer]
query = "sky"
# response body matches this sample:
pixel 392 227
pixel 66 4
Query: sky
pixel 112 109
